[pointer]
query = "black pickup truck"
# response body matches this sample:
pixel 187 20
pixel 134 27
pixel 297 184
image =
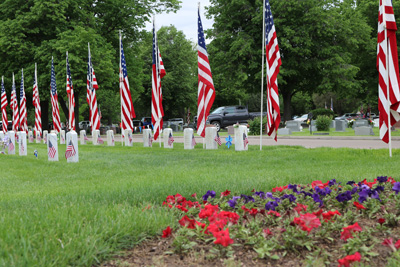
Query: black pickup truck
pixel 229 115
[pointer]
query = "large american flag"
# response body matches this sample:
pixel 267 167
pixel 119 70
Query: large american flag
pixel 387 53
pixel 206 90
pixel 127 110
pixel 51 150
pixel 4 104
pixel 14 107
pixel 91 95
pixel 36 104
pixel 158 73
pixel 70 152
pixel 22 103
pixel 273 63
pixel 71 99
pixel 54 100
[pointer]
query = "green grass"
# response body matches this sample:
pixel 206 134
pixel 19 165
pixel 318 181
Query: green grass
pixel 59 214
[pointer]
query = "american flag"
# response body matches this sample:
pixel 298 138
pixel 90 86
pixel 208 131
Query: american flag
pixel 100 140
pixel 22 103
pixel 193 141
pixel 112 139
pixel 218 139
pixel 331 104
pixel 30 138
pixel 188 116
pixel 54 100
pixel 38 138
pixel 158 72
pixel 71 99
pixel 85 138
pixel 387 47
pixel 70 152
pixel 10 145
pixel 273 64
pixel 36 104
pixel 127 110
pixel 14 107
pixel 170 139
pixel 51 150
pixel 21 145
pixel 92 86
pixel 206 90
pixel 150 140
pixel 245 140
pixel 62 138
pixel 130 138
pixel 4 104
pixel 45 138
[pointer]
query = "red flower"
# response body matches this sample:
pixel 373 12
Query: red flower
pixel 179 198
pixel 318 213
pixel 397 245
pixel 328 215
pixel 166 232
pixel 267 232
pixel 223 238
pixel 381 220
pixel 226 193
pixel 194 195
pixel 187 222
pixel 253 212
pixel 349 230
pixel 181 208
pixel 275 213
pixel 358 206
pixel 245 209
pixel 279 188
pixel 208 211
pixel 346 261
pixel 227 215
pixel 320 184
pixel 212 228
pixel 170 199
pixel 300 207
pixel 307 222
pixel 202 225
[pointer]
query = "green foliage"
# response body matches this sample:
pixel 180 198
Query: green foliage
pixel 322 112
pixel 323 123
pixel 254 125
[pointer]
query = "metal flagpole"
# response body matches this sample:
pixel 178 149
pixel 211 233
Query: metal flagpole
pixel 387 80
pixel 204 99
pixel 262 77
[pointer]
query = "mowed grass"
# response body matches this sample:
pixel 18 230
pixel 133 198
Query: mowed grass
pixel 59 214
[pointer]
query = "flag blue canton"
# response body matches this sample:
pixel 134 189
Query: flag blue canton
pixel 3 90
pixel 21 95
pixel 53 79
pixel 269 21
pixel 90 73
pixel 123 62
pixel 200 32
pixel 155 49
pixel 69 73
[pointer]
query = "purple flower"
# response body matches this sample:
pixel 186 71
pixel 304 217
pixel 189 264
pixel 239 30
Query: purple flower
pixel 247 199
pixel 290 197
pixel 323 192
pixel 232 203
pixel 271 205
pixel 345 196
pixel 375 195
pixel 209 194
pixel 269 194
pixel 382 179
pixel 380 188
pixel 363 195
pixel 293 187
pixel 396 187
pixel 306 193
pixel 354 190
pixel 350 182
pixel 260 194
pixel 332 182
pixel 316 198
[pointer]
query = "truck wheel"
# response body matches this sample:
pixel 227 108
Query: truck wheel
pixel 217 125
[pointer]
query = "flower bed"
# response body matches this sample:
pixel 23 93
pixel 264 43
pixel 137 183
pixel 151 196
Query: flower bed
pixel 318 224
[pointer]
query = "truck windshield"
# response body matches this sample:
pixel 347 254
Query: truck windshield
pixel 218 110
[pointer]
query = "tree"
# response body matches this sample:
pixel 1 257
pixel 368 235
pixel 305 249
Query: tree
pixel 317 39
pixel 33 31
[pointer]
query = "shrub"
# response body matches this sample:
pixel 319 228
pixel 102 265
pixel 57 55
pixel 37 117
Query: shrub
pixel 254 125
pixel 323 123
pixel 322 112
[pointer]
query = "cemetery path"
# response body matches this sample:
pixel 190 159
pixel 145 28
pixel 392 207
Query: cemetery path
pixel 361 142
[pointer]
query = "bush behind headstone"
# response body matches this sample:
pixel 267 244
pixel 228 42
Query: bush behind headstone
pixel 322 112
pixel 323 122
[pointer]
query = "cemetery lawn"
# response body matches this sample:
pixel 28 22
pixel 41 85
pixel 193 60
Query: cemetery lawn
pixel 59 214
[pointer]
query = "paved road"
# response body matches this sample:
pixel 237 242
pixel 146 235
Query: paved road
pixel 368 142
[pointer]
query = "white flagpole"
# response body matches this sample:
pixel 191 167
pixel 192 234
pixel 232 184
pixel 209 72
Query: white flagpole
pixel 387 81
pixel 262 77
pixel 204 99
pixel 120 69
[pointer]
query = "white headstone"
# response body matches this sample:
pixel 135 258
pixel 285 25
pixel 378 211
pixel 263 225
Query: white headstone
pixel 30 136
pixel 294 126
pixel 188 138
pixel 168 138
pixel 340 125
pixel 211 133
pixel 72 147
pixel 128 138
pixel 147 138
pixel 52 147
pixel 82 137
pixel 62 137
pixel 54 132
pixel 38 137
pixel 1 135
pixel 95 137
pixel 45 134
pixel 22 144
pixel 110 138
pixel 241 138
pixel 284 131
pixel 11 143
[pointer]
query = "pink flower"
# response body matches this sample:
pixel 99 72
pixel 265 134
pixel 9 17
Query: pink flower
pixel 346 261
pixel 388 242
pixel 307 222
pixel 349 230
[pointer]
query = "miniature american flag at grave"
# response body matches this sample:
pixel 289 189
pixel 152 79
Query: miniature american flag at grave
pixel 22 147
pixel 85 138
pixel 70 152
pixel 100 140
pixel 245 140
pixel 130 138
pixel 30 138
pixel 52 150
pixel 170 139
pixel 218 139
pixel 193 141
pixel 150 140
pixel 10 145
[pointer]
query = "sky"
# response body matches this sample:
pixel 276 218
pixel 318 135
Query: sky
pixel 185 19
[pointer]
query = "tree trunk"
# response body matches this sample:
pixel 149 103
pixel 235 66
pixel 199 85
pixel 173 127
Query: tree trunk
pixel 44 105
pixel 287 108
pixel 63 107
